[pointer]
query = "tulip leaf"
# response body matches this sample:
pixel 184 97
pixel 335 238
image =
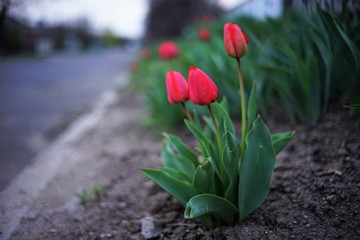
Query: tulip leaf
pixel 204 204
pixel 353 48
pixel 206 147
pixel 170 180
pixel 204 178
pixel 210 129
pixel 271 68
pixel 177 161
pixel 231 160
pixel 251 112
pixel 256 168
pixel 201 138
pixel 280 140
pixel 182 148
pixel 197 120
pixel 221 114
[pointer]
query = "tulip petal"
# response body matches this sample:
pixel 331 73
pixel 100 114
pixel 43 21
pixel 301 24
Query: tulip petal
pixel 176 87
pixel 202 90
pixel 235 41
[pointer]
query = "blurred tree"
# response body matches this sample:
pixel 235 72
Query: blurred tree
pixel 5 8
pixel 83 31
pixel 167 18
pixel 75 34
pixel 109 38
pixel 58 34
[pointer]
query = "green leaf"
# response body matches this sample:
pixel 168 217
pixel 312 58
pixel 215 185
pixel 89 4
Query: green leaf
pixel 201 138
pixel 205 145
pixel 197 120
pixel 222 115
pixel 256 169
pixel 177 161
pixel 280 140
pixel 252 105
pixel 355 106
pixel 233 148
pixel 326 54
pixel 353 48
pixel 232 154
pixel 273 68
pixel 171 182
pixel 182 148
pixel 204 178
pixel 211 204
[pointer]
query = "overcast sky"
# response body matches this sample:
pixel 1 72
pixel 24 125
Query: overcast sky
pixel 124 17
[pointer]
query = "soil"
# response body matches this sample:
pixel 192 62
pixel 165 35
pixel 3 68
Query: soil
pixel 314 191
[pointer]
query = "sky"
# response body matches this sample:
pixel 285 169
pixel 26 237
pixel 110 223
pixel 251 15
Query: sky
pixel 123 17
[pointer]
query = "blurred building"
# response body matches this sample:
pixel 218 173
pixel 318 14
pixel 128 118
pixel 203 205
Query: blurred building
pixel 18 37
pixel 259 9
pixel 262 9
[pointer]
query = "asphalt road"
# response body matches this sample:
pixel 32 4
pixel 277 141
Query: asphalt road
pixel 37 94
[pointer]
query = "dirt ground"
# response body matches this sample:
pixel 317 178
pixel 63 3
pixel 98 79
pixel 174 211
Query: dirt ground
pixel 314 192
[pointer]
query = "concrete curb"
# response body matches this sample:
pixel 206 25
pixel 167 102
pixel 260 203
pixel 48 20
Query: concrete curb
pixel 23 191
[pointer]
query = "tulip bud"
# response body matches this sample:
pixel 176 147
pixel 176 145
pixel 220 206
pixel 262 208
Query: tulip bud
pixel 235 40
pixel 176 87
pixel 168 50
pixel 204 34
pixel 202 90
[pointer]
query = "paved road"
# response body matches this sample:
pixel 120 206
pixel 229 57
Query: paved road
pixel 38 94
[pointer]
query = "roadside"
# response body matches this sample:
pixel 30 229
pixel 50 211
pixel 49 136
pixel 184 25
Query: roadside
pixel 39 94
pixel 76 160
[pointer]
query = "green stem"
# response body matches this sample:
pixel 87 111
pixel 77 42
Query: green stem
pixel 187 112
pixel 243 106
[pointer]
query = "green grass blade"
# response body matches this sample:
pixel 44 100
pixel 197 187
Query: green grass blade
pixel 353 48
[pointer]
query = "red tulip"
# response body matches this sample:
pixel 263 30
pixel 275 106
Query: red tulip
pixel 202 90
pixel 204 34
pixel 235 40
pixel 176 87
pixel 168 50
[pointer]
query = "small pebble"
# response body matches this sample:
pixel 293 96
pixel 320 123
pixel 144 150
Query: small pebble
pixel 105 205
pixel 338 173
pixel 122 205
pixel 330 198
pixel 30 216
pixel 115 221
pixel 148 228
